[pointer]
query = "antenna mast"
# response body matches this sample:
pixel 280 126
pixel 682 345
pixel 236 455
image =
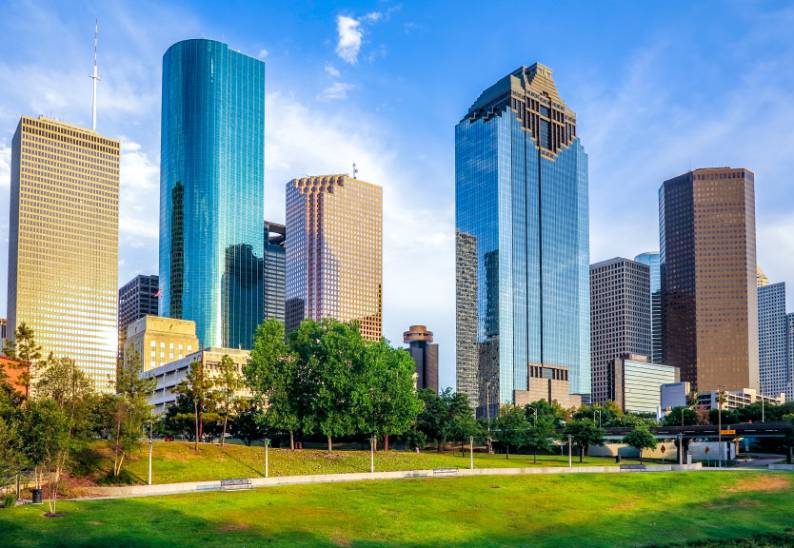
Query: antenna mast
pixel 355 170
pixel 94 76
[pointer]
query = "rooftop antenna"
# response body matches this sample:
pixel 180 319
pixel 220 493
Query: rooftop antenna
pixel 355 170
pixel 94 76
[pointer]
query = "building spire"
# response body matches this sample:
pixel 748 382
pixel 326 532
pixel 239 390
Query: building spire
pixel 94 76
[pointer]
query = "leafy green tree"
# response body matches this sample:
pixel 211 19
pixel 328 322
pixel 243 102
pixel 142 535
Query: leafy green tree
pixel 249 422
pixel 129 409
pixel 178 420
pixel 64 395
pixel 584 433
pixel 25 353
pixel 327 354
pixel 679 415
pixel 228 384
pixel 272 375
pixel 540 435
pixel 640 438
pixel 511 427
pixel 437 421
pixel 384 400
pixel 610 413
pixel 197 387
pixel 542 408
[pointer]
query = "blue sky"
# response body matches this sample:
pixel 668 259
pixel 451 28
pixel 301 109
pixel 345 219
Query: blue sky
pixel 658 88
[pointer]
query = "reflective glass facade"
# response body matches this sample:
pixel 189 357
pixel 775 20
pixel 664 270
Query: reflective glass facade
pixel 773 358
pixel 651 258
pixel 212 191
pixel 275 270
pixel 522 221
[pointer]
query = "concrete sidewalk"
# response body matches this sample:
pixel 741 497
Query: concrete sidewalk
pixel 128 491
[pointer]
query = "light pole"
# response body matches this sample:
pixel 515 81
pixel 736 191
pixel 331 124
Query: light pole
pixel 570 455
pixel 680 448
pixel 720 399
pixel 267 458
pixel 762 408
pixel 471 452
pixel 534 414
pixel 372 454
pixel 150 453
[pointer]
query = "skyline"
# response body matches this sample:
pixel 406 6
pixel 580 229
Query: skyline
pixel 357 78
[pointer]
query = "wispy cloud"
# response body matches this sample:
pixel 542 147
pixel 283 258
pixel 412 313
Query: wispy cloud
pixel 336 91
pixel 332 71
pixel 349 42
pixel 263 53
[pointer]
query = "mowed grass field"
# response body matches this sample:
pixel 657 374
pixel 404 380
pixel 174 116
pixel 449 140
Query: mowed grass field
pixel 550 510
pixel 177 461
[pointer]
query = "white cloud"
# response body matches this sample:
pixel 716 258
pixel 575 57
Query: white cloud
pixel 337 90
pixel 263 53
pixel 139 199
pixel 5 166
pixel 332 71
pixel 373 17
pixel 349 44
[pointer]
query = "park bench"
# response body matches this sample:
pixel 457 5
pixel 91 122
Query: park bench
pixel 633 467
pixel 445 471
pixel 233 484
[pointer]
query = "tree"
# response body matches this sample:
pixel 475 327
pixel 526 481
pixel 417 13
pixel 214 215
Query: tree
pixel 229 383
pixel 511 428
pixel 542 408
pixel 25 353
pixel 640 438
pixel 441 415
pixel 129 408
pixel 679 416
pixel 584 433
pixel 60 425
pixel 384 400
pixel 327 353
pixel 539 436
pixel 249 422
pixel 197 387
pixel 272 375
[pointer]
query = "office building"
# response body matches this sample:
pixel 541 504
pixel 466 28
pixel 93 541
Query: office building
pixel 675 394
pixel 160 340
pixel 521 223
pixel 212 191
pixel 790 345
pixel 64 243
pixel 651 259
pixel 620 317
pixel 137 298
pixel 774 361
pixel 709 295
pixel 735 399
pixel 275 270
pixel 425 355
pixel 547 383
pixel 335 252
pixel 3 329
pixel 169 375
pixel 635 384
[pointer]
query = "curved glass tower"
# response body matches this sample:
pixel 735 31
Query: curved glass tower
pixel 212 191
pixel 522 248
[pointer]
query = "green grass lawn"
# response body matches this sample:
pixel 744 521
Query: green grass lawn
pixel 550 510
pixel 177 461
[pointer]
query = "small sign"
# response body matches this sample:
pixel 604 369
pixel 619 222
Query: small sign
pixel 727 432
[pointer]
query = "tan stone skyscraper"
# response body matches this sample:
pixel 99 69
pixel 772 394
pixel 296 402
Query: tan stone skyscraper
pixel 709 295
pixel 64 243
pixel 335 252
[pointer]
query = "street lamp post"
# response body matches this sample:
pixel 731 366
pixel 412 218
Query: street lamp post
pixel 471 452
pixel 720 400
pixel 150 453
pixel 372 454
pixel 267 458
pixel 570 454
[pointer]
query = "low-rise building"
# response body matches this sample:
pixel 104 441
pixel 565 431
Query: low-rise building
pixel 425 355
pixel 735 399
pixel 675 394
pixel 549 383
pixel 634 383
pixel 171 374
pixel 159 340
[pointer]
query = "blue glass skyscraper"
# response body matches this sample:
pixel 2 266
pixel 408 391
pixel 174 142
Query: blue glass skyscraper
pixel 212 191
pixel 522 250
pixel 651 258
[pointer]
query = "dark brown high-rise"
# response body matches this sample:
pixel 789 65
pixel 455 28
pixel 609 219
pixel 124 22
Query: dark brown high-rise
pixel 425 355
pixel 709 299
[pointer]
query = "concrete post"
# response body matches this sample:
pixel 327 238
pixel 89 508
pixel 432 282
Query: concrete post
pixel 570 454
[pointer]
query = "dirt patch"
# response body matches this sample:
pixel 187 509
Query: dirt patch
pixel 761 483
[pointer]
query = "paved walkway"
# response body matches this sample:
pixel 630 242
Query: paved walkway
pixel 128 491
